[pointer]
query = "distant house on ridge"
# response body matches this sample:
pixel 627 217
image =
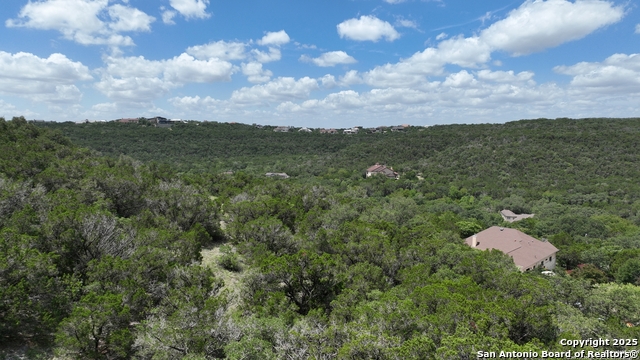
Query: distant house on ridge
pixel 510 216
pixel 381 169
pixel 278 175
pixel 128 120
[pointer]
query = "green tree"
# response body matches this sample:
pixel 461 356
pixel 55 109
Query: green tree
pixel 189 321
pixel 308 279
pixel 98 328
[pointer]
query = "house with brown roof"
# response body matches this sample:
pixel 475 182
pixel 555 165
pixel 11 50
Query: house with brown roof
pixel 277 175
pixel 510 216
pixel 526 251
pixel 381 169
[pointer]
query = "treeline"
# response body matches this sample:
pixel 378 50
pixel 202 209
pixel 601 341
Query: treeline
pixel 102 255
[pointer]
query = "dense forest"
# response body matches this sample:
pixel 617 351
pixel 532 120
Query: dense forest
pixel 126 241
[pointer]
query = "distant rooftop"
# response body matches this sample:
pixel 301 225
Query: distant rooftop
pixel 510 216
pixel 526 251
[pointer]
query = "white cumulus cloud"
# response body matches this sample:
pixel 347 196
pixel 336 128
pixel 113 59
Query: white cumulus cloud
pixel 331 58
pixel 617 73
pixel 367 28
pixel 220 49
pixel 280 89
pixel 197 103
pixel 505 76
pixel 537 25
pixel 167 16
pixel 328 81
pixel 140 79
pixel 129 19
pixel 519 33
pixel 263 57
pixel 255 73
pixel 276 38
pixel 88 22
pixel 49 79
pixel 191 8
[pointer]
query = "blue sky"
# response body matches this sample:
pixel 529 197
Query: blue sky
pixel 320 63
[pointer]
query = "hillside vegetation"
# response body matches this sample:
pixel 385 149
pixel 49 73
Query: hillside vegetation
pixel 103 227
pixel 497 159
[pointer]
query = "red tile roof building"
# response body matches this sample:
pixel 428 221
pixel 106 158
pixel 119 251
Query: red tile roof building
pixel 381 169
pixel 527 252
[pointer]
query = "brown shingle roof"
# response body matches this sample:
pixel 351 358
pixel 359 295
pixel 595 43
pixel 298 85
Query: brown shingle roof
pixel 381 169
pixel 376 167
pixel 525 250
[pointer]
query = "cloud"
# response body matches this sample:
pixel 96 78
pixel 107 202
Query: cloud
pixel 229 51
pixel 197 103
pixel 241 101
pixel 129 19
pixel 130 89
pixel 617 73
pixel 466 52
pixel 139 79
pixel 167 17
pixel 460 79
pixel 367 28
pixel 481 96
pixel 186 69
pixel 7 110
pixel 394 1
pixel 538 25
pixel 461 94
pixel 49 79
pixel 305 46
pixel 505 76
pixel 351 78
pixel 255 73
pixel 274 38
pixel 263 57
pixel 84 21
pixel 331 58
pixel 191 8
pixel 328 81
pixel 406 23
pixel 280 89
pixel 220 49
pixel 62 94
pixel 519 33
pixel 637 29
